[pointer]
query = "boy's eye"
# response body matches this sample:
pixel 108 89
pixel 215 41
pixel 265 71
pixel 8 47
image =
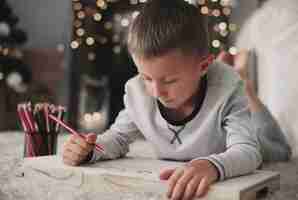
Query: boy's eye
pixel 145 78
pixel 170 81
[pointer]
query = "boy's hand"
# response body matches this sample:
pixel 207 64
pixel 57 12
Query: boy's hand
pixel 76 149
pixel 190 181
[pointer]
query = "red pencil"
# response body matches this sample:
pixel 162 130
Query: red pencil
pixel 97 146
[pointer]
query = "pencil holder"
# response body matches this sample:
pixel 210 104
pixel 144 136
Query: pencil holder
pixel 40 144
pixel 41 133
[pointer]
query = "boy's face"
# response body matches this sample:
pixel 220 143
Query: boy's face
pixel 172 78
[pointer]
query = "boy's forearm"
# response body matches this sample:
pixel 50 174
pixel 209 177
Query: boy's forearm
pixel 238 160
pixel 115 144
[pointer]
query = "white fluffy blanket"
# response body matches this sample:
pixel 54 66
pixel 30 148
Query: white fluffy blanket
pixel 272 32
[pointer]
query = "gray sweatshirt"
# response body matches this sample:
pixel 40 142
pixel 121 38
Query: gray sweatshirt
pixel 222 131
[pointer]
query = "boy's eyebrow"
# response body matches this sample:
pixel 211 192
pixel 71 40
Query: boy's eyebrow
pixel 162 78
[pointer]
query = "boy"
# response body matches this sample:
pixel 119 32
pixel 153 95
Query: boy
pixel 187 111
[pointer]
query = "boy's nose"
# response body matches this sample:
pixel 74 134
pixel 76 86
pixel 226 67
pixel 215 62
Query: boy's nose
pixel 157 91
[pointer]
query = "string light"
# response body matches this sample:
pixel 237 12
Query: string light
pixel 100 3
pixel 90 41
pixel 97 17
pixel 5 51
pixel 117 49
pixel 91 56
pixel 77 23
pixel 225 3
pixel 201 2
pixel 233 50
pixel 226 11
pixel 216 13
pixel 87 117
pixel 222 25
pixel 221 28
pixel 233 27
pixel 205 10
pixel 224 33
pixel 77 6
pixel 108 25
pixel 81 15
pixel 133 2
pixel 80 32
pixel 216 43
pixel 74 44
pixel 135 14
pixel 124 22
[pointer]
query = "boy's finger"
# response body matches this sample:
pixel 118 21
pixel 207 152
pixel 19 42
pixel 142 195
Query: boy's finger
pixel 173 180
pixel 181 184
pixel 77 149
pixel 81 141
pixel 203 188
pixel 191 187
pixel 91 138
pixel 166 173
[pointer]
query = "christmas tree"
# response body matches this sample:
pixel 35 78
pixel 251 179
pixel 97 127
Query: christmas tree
pixel 14 74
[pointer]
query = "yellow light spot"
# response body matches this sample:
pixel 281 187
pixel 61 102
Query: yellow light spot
pixel 77 6
pixel 117 49
pixel 125 22
pixel 90 41
pixel 205 10
pixel 88 117
pixel 97 17
pixel 100 3
pixel 216 43
pixel 233 50
pixel 81 15
pixel 108 25
pixel 201 2
pixel 5 51
pixel 80 32
pixel 77 23
pixel 226 11
pixel 233 27
pixel 74 44
pixel 91 56
pixel 135 14
pixel 97 116
pixel 224 33
pixel 133 2
pixel 216 12
pixel 222 25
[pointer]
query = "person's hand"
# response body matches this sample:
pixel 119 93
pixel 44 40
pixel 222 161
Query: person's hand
pixel 241 63
pixel 192 180
pixel 76 149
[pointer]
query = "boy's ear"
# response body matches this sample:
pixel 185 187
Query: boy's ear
pixel 205 64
